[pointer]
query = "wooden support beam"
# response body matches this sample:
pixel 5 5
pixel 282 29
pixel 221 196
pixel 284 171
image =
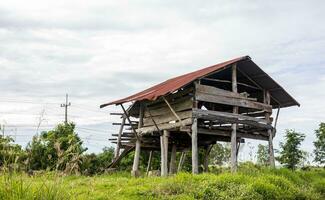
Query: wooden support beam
pixel 257 85
pixel 195 151
pixel 173 111
pixel 172 164
pixel 128 118
pixel 226 81
pixel 117 149
pixel 149 162
pixel 119 124
pixel 234 125
pixel 120 114
pixel 164 153
pixel 135 169
pixel 181 161
pixel 267 100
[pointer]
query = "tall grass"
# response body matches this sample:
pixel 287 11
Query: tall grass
pixel 250 182
pixel 19 186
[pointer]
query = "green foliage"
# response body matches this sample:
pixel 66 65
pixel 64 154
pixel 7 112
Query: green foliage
pixel 12 155
pixel 320 144
pixel 263 154
pixel 220 154
pixel 94 164
pixel 58 149
pixel 290 154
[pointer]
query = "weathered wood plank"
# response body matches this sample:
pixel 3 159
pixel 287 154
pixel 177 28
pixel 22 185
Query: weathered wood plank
pixel 231 118
pixel 179 105
pixel 167 118
pixel 254 135
pixel 165 126
pixel 170 97
pixel 220 92
pixel 232 101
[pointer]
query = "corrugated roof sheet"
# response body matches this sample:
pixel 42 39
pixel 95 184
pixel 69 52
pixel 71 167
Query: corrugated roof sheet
pixel 173 84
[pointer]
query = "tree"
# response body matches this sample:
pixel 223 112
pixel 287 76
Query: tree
pixel 220 154
pixel 97 163
pixel 12 155
pixel 58 149
pixel 263 154
pixel 319 144
pixel 290 154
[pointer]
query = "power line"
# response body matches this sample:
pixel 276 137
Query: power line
pixel 90 110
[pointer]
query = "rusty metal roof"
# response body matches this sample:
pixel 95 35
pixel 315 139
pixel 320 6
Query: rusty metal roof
pixel 173 84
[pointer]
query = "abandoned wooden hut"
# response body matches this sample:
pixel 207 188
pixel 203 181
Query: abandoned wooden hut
pixel 228 102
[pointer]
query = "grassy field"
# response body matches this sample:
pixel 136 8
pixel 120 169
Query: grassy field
pixel 249 183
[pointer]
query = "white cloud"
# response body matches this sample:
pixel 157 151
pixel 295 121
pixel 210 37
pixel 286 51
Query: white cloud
pixel 98 51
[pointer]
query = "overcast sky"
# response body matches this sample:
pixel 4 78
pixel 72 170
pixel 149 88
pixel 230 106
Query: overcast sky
pixel 99 51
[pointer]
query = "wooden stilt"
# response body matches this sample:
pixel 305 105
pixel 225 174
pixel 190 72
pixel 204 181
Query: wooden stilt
pixel 135 169
pixel 149 162
pixel 117 149
pixel 181 161
pixel 164 153
pixel 172 165
pixel 195 152
pixel 267 100
pixel 234 126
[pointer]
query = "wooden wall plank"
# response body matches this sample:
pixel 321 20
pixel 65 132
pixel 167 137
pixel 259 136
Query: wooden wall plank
pixel 166 118
pixel 165 126
pixel 231 118
pixel 232 101
pixel 179 105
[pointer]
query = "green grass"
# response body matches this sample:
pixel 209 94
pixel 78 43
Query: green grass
pixel 250 183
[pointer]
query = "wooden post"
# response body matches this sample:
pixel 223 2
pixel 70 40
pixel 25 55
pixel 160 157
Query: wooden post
pixel 164 153
pixel 195 152
pixel 181 161
pixel 267 100
pixel 234 125
pixel 172 164
pixel 135 169
pixel 117 149
pixel 149 162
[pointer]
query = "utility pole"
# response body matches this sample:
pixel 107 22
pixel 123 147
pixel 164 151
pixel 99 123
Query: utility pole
pixel 65 105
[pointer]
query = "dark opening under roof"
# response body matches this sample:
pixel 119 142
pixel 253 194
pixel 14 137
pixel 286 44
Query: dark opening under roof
pixel 244 64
